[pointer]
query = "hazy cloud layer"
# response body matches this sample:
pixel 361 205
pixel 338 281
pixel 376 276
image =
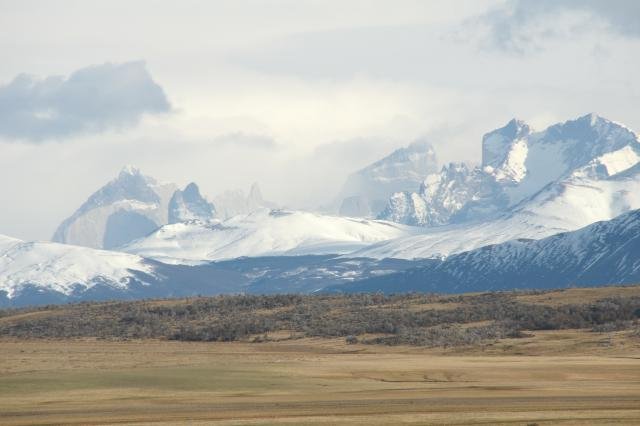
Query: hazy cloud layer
pixel 244 140
pixel 336 84
pixel 517 24
pixel 92 99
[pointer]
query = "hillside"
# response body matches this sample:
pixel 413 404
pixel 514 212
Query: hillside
pixel 602 253
pixel 420 320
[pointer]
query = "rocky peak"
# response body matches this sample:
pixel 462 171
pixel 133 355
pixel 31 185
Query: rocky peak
pixel 255 200
pixel 126 208
pixel 497 144
pixel 129 170
pixel 189 204
pixel 517 163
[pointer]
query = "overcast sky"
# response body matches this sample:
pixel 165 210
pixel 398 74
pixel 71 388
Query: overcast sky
pixel 292 94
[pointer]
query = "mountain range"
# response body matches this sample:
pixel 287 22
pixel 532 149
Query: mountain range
pixel 602 253
pixel 518 165
pixel 543 209
pixel 134 205
pixel 529 185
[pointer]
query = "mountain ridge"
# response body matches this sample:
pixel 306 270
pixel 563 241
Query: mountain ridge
pixel 516 164
pixel 603 253
pixel 264 232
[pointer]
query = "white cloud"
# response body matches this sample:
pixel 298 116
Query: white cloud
pixel 92 99
pixel 520 25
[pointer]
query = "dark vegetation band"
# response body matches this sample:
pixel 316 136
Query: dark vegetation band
pixel 414 319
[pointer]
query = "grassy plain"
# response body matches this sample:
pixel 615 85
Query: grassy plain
pixel 571 377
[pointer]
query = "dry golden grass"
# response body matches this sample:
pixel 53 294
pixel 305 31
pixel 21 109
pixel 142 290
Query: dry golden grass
pixel 572 379
pixel 579 295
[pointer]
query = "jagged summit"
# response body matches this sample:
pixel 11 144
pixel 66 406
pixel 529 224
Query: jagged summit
pixel 515 128
pixel 497 144
pixel 132 205
pixel 403 162
pixel 593 118
pixel 188 204
pixel 419 145
pixel 129 169
pixel 591 125
pixel 367 190
pixel 518 163
pixel 191 190
pixel 255 199
pixel 235 202
pixel 127 207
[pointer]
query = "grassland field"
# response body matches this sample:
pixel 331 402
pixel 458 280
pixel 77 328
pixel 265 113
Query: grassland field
pixel 560 376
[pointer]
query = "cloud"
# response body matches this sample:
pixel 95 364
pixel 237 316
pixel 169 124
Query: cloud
pixel 516 24
pixel 245 140
pixel 90 100
pixel 352 154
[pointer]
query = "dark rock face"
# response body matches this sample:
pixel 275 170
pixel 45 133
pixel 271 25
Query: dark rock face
pixel 125 226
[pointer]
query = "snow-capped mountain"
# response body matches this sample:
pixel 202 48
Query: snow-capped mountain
pixel 366 191
pixel 517 164
pixel 128 207
pixel 476 226
pixel 441 197
pixel 530 185
pixel 36 273
pixel 563 206
pixel 602 253
pixel 442 241
pixel 235 202
pixel 63 268
pixel 190 205
pixel 264 233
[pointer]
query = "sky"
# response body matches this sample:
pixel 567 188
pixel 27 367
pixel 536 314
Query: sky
pixel 292 94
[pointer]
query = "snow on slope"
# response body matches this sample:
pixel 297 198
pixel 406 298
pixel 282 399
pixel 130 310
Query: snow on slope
pixel 603 253
pixel 264 232
pixel 440 242
pixel 63 268
pixel 564 206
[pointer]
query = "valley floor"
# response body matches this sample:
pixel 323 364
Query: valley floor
pixel 550 377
